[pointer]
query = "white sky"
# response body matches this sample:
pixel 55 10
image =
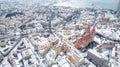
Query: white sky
pixel 75 3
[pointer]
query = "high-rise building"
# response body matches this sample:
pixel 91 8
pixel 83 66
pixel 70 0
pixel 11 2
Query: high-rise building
pixel 118 9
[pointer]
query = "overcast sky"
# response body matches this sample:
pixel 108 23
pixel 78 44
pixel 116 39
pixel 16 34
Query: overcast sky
pixel 112 4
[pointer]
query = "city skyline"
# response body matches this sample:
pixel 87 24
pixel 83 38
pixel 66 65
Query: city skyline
pixel 73 3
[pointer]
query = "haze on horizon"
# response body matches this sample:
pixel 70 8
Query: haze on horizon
pixel 110 4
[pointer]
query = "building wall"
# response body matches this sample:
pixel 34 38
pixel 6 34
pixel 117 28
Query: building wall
pixel 96 59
